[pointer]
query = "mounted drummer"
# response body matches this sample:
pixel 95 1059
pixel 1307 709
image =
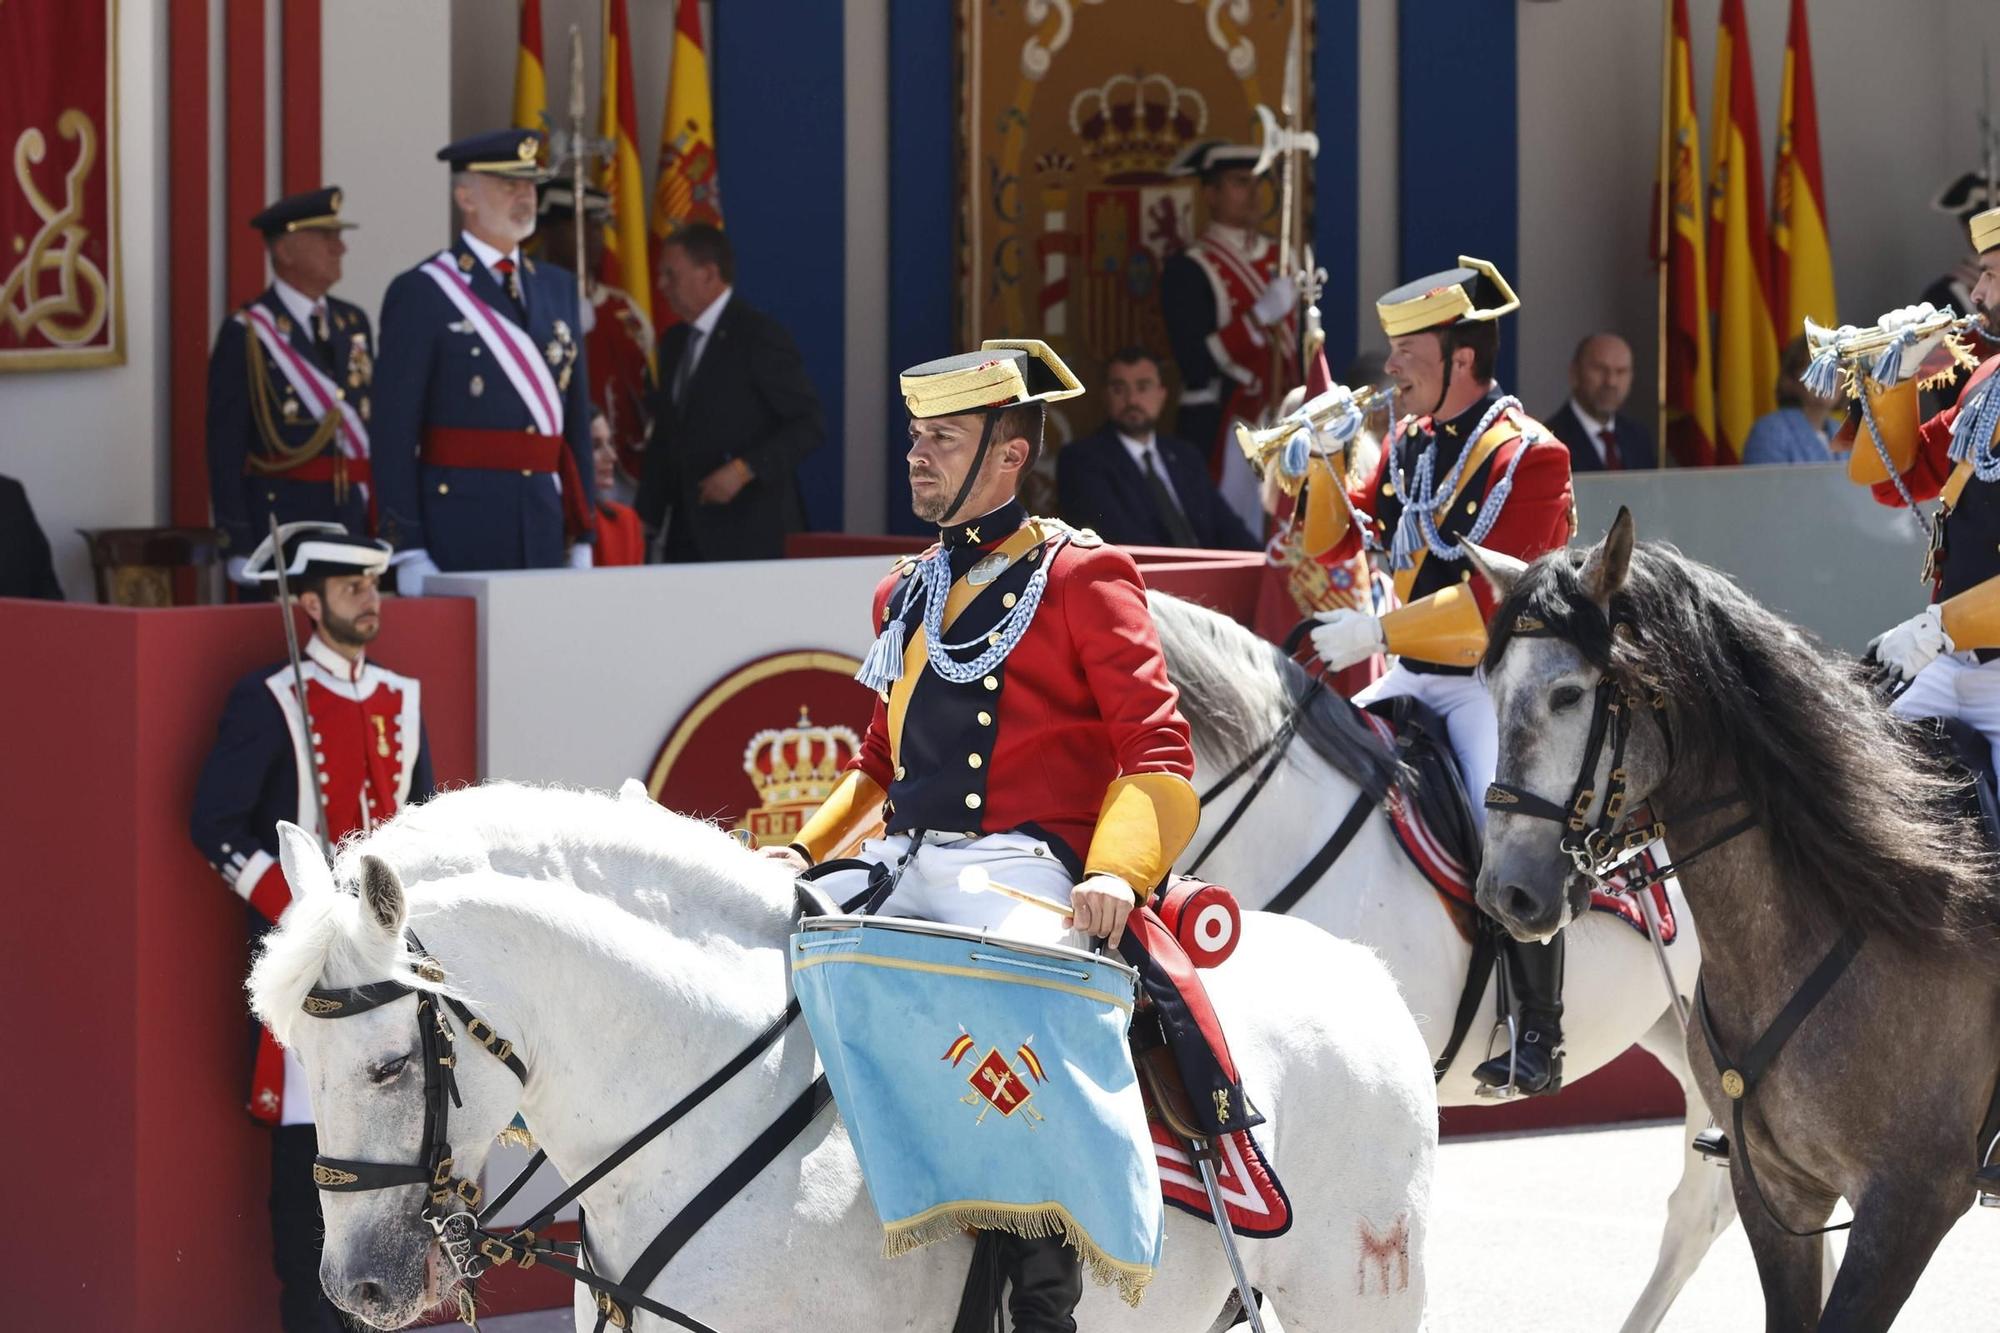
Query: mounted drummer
pixel 1466 465
pixel 1024 724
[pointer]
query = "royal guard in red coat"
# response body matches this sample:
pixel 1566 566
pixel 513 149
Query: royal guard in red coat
pixel 1467 465
pixel 1024 723
pixel 355 756
pixel 617 336
pixel 1232 318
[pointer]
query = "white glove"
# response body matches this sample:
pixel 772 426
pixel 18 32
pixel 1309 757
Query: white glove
pixel 1345 637
pixel 580 556
pixel 1278 300
pixel 237 564
pixel 1919 351
pixel 1912 645
pixel 411 572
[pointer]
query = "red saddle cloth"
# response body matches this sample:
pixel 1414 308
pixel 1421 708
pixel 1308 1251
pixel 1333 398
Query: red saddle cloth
pixel 1257 1203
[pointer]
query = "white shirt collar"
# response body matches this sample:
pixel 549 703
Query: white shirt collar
pixel 1138 448
pixel 485 253
pixel 323 654
pixel 706 321
pixel 297 302
pixel 1591 426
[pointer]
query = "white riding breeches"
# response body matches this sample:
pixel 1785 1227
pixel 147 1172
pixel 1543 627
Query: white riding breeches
pixel 1462 703
pixel 929 891
pixel 1956 685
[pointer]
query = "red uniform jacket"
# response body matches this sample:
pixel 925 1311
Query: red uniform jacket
pixel 1537 516
pixel 1075 736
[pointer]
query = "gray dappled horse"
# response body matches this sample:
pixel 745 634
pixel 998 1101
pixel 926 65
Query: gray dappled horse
pixel 1819 821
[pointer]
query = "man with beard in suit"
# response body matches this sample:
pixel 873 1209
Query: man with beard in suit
pixel 733 416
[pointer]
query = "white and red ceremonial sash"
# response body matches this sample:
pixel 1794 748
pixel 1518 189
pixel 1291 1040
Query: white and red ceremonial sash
pixel 319 394
pixel 513 350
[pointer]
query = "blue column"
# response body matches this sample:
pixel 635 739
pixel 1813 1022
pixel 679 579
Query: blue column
pixel 1457 156
pixel 780 133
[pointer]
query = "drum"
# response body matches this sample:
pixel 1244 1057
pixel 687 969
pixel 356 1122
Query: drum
pixel 987 1084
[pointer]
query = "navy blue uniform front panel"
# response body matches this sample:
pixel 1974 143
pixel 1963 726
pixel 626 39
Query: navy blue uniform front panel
pixel 438 372
pixel 243 502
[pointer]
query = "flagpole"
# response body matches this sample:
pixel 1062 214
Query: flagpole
pixel 1663 220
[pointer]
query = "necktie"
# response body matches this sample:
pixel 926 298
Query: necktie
pixel 512 282
pixel 322 337
pixel 685 370
pixel 1609 438
pixel 1164 505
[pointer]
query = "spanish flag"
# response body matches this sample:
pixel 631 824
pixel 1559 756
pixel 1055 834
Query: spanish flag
pixel 1739 245
pixel 1801 256
pixel 624 265
pixel 531 86
pixel 1688 392
pixel 686 190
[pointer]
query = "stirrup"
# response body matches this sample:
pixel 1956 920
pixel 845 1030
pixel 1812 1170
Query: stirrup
pixel 1713 1144
pixel 1508 1091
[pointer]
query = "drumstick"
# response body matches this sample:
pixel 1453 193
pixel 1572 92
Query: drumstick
pixel 974 879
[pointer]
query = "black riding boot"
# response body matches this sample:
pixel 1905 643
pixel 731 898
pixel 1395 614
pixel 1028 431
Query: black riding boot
pixel 1534 973
pixel 1045 1279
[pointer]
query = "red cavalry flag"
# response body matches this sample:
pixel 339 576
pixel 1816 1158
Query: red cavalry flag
pixel 1688 392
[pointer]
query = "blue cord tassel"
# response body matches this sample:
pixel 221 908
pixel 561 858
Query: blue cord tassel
pixel 1822 377
pixel 883 666
pixel 1293 461
pixel 1889 365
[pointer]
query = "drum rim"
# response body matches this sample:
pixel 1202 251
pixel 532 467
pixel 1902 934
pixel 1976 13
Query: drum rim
pixel 969 935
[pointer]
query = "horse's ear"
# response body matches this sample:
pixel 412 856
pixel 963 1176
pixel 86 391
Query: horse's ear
pixel 303 860
pixel 1500 570
pixel 633 790
pixel 382 894
pixel 1610 560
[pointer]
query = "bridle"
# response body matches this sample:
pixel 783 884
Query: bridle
pixel 1599 844
pixel 465 1235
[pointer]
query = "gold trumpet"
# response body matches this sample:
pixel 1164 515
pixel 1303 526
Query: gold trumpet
pixel 1858 352
pixel 1330 421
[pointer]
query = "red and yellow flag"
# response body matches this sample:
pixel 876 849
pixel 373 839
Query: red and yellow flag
pixel 687 190
pixel 1739 246
pixel 531 85
pixel 624 265
pixel 1688 391
pixel 1801 255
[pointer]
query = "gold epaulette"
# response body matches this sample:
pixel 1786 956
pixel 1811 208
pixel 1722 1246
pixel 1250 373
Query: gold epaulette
pixel 1055 527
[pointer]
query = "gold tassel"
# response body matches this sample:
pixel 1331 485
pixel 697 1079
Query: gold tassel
pixel 1030 1221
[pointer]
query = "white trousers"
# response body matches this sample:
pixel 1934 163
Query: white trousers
pixel 929 891
pixel 1956 685
pixel 1467 712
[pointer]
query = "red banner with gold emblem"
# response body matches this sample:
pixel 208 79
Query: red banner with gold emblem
pixel 60 303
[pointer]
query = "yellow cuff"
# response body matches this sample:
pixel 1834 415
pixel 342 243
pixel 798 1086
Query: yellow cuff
pixel 1972 619
pixel 1146 821
pixel 851 813
pixel 1895 411
pixel 1445 627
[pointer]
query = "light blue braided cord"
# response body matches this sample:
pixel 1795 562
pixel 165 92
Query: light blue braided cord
pixel 1972 432
pixel 1418 524
pixel 936 573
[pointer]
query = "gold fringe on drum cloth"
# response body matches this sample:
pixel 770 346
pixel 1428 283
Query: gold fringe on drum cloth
pixel 1030 1221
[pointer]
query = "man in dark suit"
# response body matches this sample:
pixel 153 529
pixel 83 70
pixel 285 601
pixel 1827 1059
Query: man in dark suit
pixel 1136 487
pixel 482 398
pixel 732 417
pixel 288 390
pixel 26 569
pixel 1600 437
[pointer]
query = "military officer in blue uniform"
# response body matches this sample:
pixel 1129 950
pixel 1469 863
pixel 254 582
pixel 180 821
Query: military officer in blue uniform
pixel 482 411
pixel 362 730
pixel 288 389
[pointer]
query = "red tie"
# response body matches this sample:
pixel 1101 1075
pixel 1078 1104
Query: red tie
pixel 505 268
pixel 1609 438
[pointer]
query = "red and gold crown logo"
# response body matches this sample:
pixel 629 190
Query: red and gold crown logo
pixel 794 770
pixel 1130 127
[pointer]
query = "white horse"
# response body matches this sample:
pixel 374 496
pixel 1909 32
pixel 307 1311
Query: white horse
pixel 1236 689
pixel 619 1001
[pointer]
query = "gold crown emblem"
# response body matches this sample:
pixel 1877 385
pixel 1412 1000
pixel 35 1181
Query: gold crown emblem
pixel 1130 127
pixel 800 765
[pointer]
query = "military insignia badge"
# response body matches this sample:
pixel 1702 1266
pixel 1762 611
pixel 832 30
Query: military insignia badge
pixel 285 325
pixel 554 352
pixel 477 387
pixel 465 263
pixel 998 1084
pixel 291 408
pixel 360 366
pixel 987 570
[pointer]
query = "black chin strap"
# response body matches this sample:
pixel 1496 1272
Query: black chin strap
pixel 972 473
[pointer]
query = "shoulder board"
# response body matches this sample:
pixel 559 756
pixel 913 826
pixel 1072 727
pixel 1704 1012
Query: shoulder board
pixel 528 263
pixel 1052 528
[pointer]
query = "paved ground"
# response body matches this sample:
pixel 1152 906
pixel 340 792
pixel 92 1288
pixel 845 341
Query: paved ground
pixel 1575 1257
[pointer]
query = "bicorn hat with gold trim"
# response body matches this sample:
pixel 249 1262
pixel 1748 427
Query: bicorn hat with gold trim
pixel 1985 229
pixel 1004 372
pixel 315 549
pixel 512 153
pixel 1211 157
pixel 315 210
pixel 1446 298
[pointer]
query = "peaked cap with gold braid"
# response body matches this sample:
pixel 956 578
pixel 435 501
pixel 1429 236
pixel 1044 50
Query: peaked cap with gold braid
pixel 1446 298
pixel 1004 372
pixel 1985 229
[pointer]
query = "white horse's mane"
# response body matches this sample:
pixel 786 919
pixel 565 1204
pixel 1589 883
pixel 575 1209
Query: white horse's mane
pixel 662 867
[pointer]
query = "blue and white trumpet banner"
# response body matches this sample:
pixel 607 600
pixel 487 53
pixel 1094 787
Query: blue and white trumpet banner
pixel 977 1080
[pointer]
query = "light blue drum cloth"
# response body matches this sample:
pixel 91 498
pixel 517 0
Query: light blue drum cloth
pixel 986 1085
